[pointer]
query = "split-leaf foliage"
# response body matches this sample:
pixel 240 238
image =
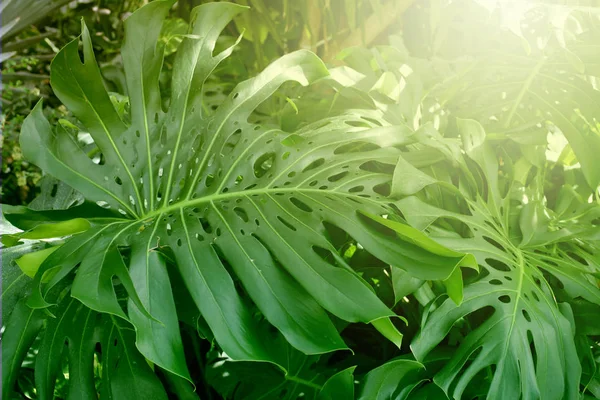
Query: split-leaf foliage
pixel 212 251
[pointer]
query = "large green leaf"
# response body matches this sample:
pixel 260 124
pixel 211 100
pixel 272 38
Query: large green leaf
pixel 520 328
pixel 240 209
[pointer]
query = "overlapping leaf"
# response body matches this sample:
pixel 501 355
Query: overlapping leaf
pixel 522 331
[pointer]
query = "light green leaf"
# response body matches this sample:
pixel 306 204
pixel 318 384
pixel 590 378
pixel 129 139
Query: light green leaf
pixel 437 257
pixel 30 262
pixel 526 313
pixel 49 230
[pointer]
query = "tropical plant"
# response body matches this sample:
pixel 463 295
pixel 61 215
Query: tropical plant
pixel 208 242
pixel 242 210
pixel 528 212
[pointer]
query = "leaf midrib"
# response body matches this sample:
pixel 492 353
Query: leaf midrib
pixel 263 191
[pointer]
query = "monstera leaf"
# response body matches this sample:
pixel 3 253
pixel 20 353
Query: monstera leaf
pixel 240 210
pixel 532 266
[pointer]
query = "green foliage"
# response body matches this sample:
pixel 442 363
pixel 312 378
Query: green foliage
pixel 25 75
pixel 208 207
pixel 209 238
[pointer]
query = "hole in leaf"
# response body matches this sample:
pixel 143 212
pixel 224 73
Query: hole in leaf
pixel 300 204
pixel 497 265
pixel 232 141
pixel 577 258
pixel 383 189
pixel 376 166
pixel 337 177
pixel 494 243
pixel 504 299
pixel 495 282
pixel 286 223
pixel 241 213
pixel 324 254
pixel 205 225
pixel 315 164
pixel 263 164
pixel 210 178
pixel 532 346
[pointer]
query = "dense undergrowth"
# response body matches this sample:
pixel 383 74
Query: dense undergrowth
pixel 414 220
